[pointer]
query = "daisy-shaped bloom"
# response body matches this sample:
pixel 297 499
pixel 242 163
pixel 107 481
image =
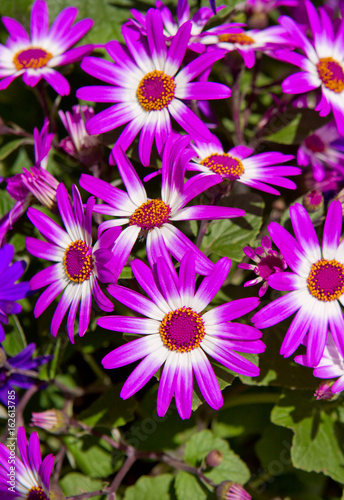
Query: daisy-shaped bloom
pixel 324 147
pixel 153 217
pixel 12 371
pixel 258 171
pixel 259 6
pixel 34 57
pixel 316 284
pixel 267 262
pixel 79 144
pixel 177 337
pixel 331 365
pixel 323 63
pixel 246 42
pixel 198 21
pixel 77 267
pixel 30 475
pixel 148 87
pixel 10 291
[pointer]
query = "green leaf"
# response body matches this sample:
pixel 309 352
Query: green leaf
pixel 150 488
pixel 15 341
pixel 318 436
pixel 11 146
pixel 227 237
pixel 75 483
pixel 273 449
pixel 287 134
pixel 6 203
pixel 92 455
pixel 110 410
pixel 187 486
pixel 231 468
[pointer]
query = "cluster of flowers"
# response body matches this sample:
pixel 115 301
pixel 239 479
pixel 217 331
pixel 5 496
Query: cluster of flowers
pixel 158 86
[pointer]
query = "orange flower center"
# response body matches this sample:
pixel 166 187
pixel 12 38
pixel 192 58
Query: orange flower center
pixel 326 280
pixel 32 58
pixel 239 38
pixel 155 91
pixel 182 330
pixel 225 165
pixel 331 74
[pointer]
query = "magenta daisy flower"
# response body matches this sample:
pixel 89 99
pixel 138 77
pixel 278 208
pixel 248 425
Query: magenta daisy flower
pixel 228 490
pixel 257 172
pixel 331 365
pixel 246 42
pixel 77 267
pixel 315 285
pixel 34 57
pixel 10 291
pixel 30 475
pixel 324 147
pixel 153 217
pixel 266 263
pixel 323 63
pixel 177 336
pixel 148 87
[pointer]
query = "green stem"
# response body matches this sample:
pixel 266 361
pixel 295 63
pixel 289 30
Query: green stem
pixel 249 399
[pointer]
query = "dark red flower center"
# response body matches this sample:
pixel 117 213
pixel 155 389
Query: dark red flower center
pixel 268 264
pixel 78 261
pixel 326 280
pixel 37 493
pixel 331 74
pixel 314 143
pixel 32 58
pixel 225 165
pixel 153 213
pixel 155 91
pixel 239 38
pixel 182 330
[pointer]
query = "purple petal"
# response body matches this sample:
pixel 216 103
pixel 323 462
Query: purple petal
pixel 231 310
pixel 206 212
pixel 304 231
pixel 332 230
pixel 48 228
pixel 188 120
pixel 131 351
pixel 211 284
pixel 206 379
pixel 278 310
pixel 167 384
pixel 300 82
pixel 57 81
pixel 39 21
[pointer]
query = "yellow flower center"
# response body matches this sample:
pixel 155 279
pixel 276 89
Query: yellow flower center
pixel 326 280
pixel 182 330
pixel 153 213
pixel 331 74
pixel 239 38
pixel 224 164
pixel 78 261
pixel 32 58
pixel 155 91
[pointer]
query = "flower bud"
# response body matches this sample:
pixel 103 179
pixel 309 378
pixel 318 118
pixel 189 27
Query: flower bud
pixel 214 458
pixel 313 200
pixel 54 421
pixel 324 391
pixel 228 490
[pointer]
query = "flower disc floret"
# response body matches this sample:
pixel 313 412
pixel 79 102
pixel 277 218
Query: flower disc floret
pixel 326 280
pixel 36 493
pixel 32 58
pixel 314 143
pixel 331 74
pixel 155 91
pixel 182 330
pixel 239 38
pixel 78 261
pixel 224 164
pixel 153 213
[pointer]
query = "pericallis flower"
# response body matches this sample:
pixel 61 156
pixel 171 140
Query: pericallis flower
pixel 147 87
pixel 10 291
pixel 258 171
pixel 228 490
pixel 80 144
pixel 315 285
pixel 12 371
pixel 323 63
pixel 177 337
pixel 246 42
pixel 198 20
pixel 153 217
pixel 30 475
pixel 78 264
pixel 34 57
pixel 267 262
pixel 324 147
pixel 331 365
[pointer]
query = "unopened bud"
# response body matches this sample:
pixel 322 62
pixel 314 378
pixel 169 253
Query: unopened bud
pixel 324 391
pixel 54 421
pixel 214 458
pixel 313 200
pixel 228 490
